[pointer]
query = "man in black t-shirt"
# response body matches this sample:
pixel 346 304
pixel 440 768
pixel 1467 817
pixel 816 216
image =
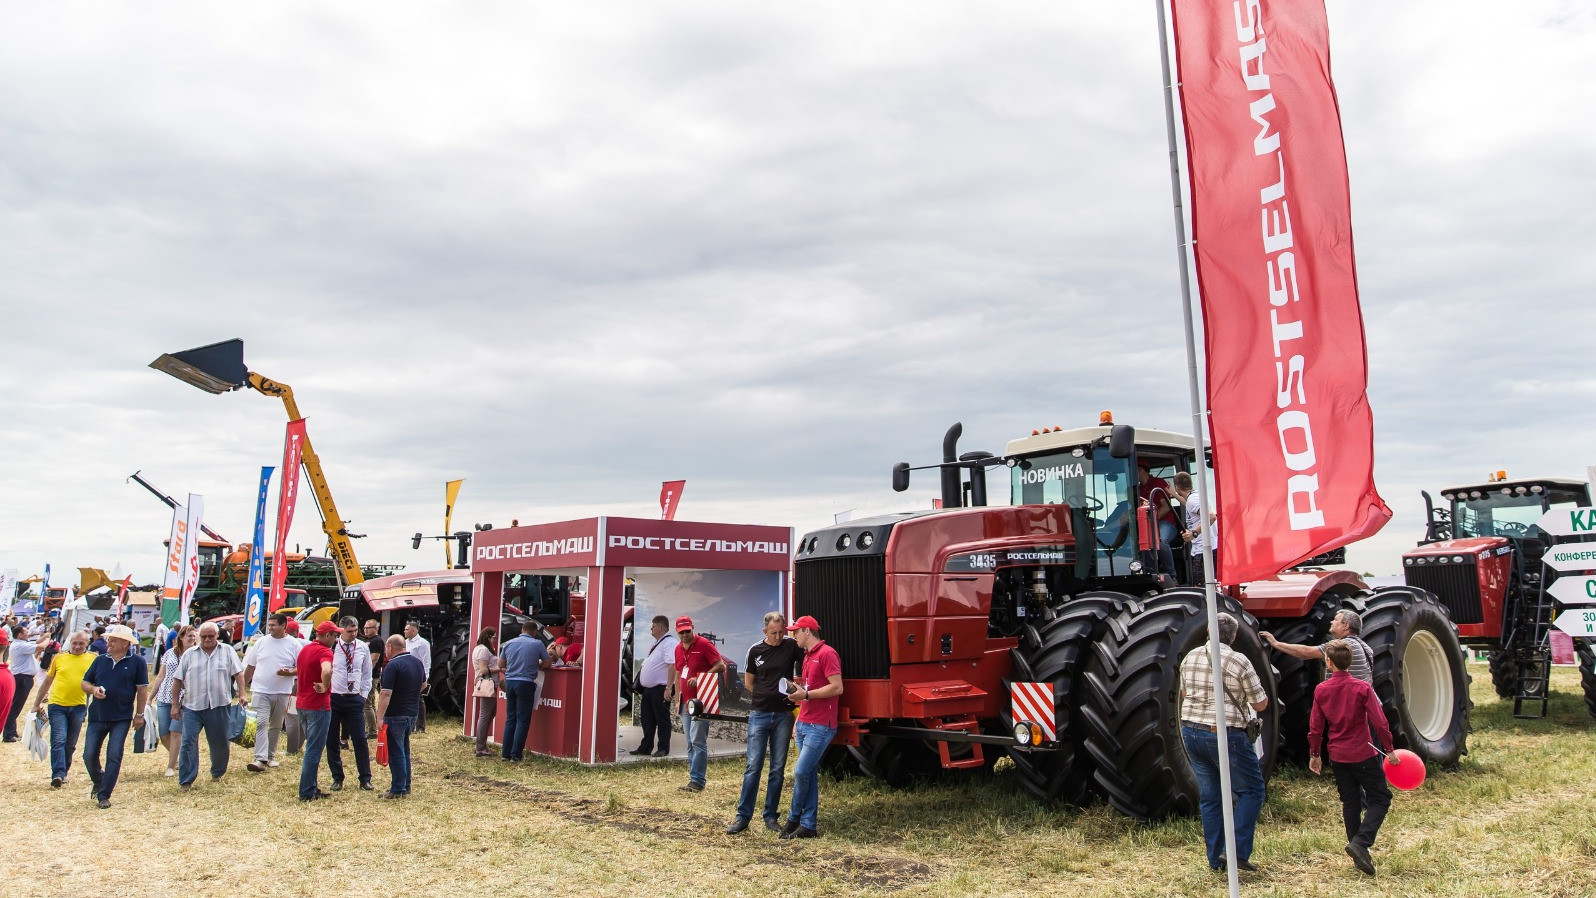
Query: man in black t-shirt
pixel 771 661
pixel 398 704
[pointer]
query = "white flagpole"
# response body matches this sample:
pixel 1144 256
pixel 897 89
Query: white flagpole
pixel 1199 433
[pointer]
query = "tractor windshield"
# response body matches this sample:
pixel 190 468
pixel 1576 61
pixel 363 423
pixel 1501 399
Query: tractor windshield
pixel 1100 491
pixel 1494 512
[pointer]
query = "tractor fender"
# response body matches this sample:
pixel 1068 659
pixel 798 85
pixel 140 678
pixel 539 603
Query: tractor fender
pixel 1294 593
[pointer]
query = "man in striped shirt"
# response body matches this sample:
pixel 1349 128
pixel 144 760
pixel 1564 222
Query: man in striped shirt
pixel 1241 685
pixel 1346 625
pixel 203 687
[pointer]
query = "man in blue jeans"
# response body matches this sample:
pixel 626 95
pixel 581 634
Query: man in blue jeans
pixel 397 706
pixel 520 658
pixel 694 657
pixel 818 692
pixel 313 701
pixel 205 684
pixel 771 662
pixel 63 690
pixel 115 680
pixel 1241 684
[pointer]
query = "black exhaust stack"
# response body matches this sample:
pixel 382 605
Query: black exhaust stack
pixel 952 485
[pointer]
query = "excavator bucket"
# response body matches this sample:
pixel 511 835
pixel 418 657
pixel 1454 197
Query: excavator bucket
pixel 93 578
pixel 216 368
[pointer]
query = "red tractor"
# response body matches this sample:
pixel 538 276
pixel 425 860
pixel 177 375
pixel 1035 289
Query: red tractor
pixel 1484 556
pixel 948 621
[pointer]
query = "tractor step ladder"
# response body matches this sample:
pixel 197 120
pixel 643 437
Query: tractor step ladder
pixel 1534 684
pixel 1534 663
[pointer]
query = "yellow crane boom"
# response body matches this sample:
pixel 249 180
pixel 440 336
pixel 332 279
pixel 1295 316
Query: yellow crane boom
pixel 219 368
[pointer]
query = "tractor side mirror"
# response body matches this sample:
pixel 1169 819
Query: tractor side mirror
pixel 1121 441
pixel 900 476
pixel 415 541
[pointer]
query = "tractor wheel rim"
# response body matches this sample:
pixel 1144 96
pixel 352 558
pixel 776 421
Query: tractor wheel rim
pixel 1427 686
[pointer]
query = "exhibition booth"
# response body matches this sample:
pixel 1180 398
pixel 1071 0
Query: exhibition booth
pixel 725 576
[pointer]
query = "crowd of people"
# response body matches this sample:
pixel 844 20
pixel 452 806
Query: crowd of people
pixel 329 694
pixel 1346 723
pixel 793 676
pixel 326 695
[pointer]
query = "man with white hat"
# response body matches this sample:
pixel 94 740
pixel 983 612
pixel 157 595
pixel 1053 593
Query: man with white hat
pixel 119 683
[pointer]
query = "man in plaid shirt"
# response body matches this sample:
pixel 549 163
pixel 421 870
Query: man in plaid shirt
pixel 1242 686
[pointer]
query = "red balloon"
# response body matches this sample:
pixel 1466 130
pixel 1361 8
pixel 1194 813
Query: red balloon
pixel 1406 775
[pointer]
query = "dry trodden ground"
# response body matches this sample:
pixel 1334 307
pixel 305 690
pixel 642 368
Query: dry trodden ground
pixel 1516 819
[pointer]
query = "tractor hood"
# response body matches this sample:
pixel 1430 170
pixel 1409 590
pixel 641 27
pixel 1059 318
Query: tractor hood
pixel 418 590
pixel 1470 548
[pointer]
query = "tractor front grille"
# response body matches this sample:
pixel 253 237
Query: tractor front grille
pixel 1456 585
pixel 848 596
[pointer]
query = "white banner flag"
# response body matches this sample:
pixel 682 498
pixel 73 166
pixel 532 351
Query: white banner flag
pixel 172 576
pixel 196 516
pixel 8 589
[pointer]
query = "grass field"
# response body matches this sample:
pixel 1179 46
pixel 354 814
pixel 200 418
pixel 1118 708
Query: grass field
pixel 1515 819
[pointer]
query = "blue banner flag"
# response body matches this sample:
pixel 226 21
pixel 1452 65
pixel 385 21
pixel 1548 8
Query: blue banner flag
pixel 255 606
pixel 44 588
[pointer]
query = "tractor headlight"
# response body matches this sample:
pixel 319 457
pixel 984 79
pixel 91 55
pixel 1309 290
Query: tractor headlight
pixel 1022 733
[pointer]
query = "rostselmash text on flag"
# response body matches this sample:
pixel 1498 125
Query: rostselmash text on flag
pixel 287 496
pixel 190 563
pixel 1293 436
pixel 255 603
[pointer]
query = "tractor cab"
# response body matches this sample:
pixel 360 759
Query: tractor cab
pixel 1116 481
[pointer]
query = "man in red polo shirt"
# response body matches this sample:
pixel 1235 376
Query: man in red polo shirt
pixel 818 693
pixel 313 700
pixel 694 656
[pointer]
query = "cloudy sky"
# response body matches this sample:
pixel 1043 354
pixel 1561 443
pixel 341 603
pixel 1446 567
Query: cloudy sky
pixel 568 251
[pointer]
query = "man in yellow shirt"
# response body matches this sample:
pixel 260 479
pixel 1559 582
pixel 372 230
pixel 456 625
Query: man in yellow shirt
pixel 63 689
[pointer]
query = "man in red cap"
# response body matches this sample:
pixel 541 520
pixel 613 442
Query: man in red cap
pixel 313 699
pixel 817 692
pixel 694 657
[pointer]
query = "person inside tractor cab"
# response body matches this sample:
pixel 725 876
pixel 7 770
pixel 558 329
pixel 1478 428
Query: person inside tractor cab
pixel 1154 492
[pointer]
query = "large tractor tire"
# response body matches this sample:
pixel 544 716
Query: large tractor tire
pixel 1298 677
pixel 1054 652
pixel 451 669
pixel 1130 705
pixel 1504 673
pixel 1587 672
pixel 1419 673
pixel 626 669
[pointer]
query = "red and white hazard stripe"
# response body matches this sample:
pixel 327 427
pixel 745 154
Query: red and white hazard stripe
pixel 1033 702
pixel 708 692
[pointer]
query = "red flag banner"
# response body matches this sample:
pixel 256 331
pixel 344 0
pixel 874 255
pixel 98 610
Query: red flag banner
pixel 1293 436
pixel 670 496
pixel 287 496
pixel 121 598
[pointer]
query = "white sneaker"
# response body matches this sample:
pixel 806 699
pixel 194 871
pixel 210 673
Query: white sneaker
pixel 274 763
pixel 170 771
